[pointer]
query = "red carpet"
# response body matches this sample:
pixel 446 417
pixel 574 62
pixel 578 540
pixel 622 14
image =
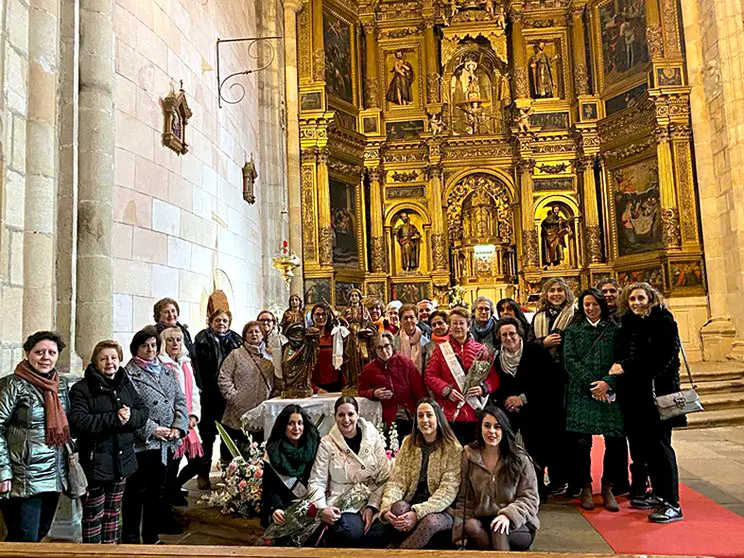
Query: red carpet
pixel 708 529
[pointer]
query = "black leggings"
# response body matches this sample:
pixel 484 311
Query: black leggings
pixel 615 452
pixel 655 446
pixel 479 530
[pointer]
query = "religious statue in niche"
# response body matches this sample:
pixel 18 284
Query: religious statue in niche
pixel 409 240
pixel 176 114
pixel 541 72
pixel 400 90
pixel 553 230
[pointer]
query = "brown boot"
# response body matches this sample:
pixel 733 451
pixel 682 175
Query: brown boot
pixel 587 502
pixel 608 499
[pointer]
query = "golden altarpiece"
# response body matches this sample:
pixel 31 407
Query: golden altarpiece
pixel 493 144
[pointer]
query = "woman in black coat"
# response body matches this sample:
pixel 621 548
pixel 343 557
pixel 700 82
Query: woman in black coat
pixel 290 454
pixel 528 393
pixel 105 411
pixel 647 356
pixel 212 345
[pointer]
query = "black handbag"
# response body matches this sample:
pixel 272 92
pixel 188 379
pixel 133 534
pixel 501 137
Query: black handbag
pixel 680 402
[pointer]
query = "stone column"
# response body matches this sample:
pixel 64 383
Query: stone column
pixel 96 175
pixel 530 244
pixel 379 256
pixel 591 209
pixel 669 213
pixel 578 38
pixel 371 79
pixel 433 89
pixel 325 251
pixel 291 84
pixel 521 79
pixel 41 172
pixel 318 48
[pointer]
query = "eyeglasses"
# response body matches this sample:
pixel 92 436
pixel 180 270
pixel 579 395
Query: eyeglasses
pixel 510 334
pixel 385 347
pixel 266 321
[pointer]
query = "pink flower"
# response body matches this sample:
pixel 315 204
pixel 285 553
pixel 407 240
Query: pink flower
pixel 242 484
pixel 312 510
pixel 258 474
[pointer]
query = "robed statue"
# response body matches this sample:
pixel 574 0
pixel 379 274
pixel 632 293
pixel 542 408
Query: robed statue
pixel 543 84
pixel 409 239
pixel 298 360
pixel 554 229
pixel 400 90
pixel 361 330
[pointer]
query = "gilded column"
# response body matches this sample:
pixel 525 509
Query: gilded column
pixel 530 245
pixel 325 248
pixel 654 34
pixel 686 196
pixel 41 172
pixel 318 49
pixel 578 36
pixel 94 320
pixel 438 242
pixel 433 89
pixel 291 84
pixel 521 79
pixel 669 213
pixel 379 257
pixel 371 79
pixel 590 209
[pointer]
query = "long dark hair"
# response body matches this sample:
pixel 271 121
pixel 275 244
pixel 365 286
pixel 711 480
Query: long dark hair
pixel 518 313
pixel 511 454
pixel 330 317
pixel 605 310
pixel 445 436
pixel 279 430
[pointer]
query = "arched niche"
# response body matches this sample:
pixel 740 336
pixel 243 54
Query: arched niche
pixel 407 228
pixel 556 221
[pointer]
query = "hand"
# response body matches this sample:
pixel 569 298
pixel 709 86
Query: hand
pixel 161 433
pixel 278 517
pixel 330 515
pixel 175 434
pixel 552 340
pixel 599 388
pixel 513 403
pixel 408 520
pixel 193 421
pixel 459 542
pixel 603 398
pixel 390 517
pixel 367 516
pixel 322 391
pixel 616 370
pixel 124 414
pixel 383 393
pixel 456 396
pixel 476 391
pixel 5 486
pixel 501 524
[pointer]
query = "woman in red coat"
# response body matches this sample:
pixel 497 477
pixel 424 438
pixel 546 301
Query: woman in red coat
pixel 393 380
pixel 446 376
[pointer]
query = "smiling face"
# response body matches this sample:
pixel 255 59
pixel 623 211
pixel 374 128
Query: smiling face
pixel 458 327
pixel 254 336
pixel 392 316
pixel 409 321
pixel 148 350
pixel 375 312
pixel 107 362
pixel 169 315
pixel 610 294
pixel 267 323
pixel 427 422
pixel 295 428
pixel 439 327
pixel 491 431
pixel 556 294
pixel 346 419
pixel 482 312
pixel 639 302
pixel 592 310
pixel 510 339
pixel 220 324
pixel 43 356
pixel 424 311
pixel 320 317
pixel 173 345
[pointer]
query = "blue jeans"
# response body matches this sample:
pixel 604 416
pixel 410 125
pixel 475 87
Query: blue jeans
pixel 29 519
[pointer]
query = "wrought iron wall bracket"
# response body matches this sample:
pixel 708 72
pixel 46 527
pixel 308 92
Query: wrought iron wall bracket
pixel 252 42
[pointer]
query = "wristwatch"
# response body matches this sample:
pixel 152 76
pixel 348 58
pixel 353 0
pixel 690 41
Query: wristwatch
pixel 446 391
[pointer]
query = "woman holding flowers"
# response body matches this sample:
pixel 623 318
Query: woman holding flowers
pixel 290 454
pixel 425 479
pixel 346 479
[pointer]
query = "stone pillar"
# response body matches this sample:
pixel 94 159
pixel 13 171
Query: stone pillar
pixel 318 48
pixel 41 172
pixel 591 210
pixel 325 251
pixel 94 319
pixel 530 244
pixel 521 79
pixel 578 38
pixel 371 79
pixel 433 89
pixel 379 256
pixel 668 197
pixel 291 84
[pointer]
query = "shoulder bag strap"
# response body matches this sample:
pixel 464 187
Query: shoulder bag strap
pixel 687 367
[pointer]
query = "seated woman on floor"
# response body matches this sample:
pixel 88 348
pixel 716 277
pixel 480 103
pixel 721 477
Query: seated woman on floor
pixel 352 453
pixel 425 479
pixel 497 504
pixel 290 454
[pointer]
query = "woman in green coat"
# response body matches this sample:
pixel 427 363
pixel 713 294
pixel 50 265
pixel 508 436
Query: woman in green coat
pixel 591 407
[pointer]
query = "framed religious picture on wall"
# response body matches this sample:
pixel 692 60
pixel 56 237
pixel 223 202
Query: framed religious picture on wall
pixel 622 37
pixel 344 222
pixel 338 36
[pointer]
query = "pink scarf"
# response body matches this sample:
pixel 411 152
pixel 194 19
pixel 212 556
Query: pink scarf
pixel 191 446
pixel 411 346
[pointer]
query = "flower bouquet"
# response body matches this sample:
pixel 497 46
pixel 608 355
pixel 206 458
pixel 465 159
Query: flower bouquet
pixel 477 374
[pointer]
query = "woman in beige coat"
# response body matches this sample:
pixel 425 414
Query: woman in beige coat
pixel 425 479
pixel 498 501
pixel 246 380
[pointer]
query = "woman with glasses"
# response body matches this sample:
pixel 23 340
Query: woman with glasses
pixel 392 379
pixel 484 321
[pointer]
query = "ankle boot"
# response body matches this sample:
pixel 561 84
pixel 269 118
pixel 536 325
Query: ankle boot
pixel 587 502
pixel 608 499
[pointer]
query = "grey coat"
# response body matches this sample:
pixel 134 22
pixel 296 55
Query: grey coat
pixel 26 460
pixel 167 405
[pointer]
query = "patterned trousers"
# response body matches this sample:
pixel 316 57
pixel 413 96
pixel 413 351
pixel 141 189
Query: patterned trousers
pixel 101 512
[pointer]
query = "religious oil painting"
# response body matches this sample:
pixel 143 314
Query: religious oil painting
pixel 343 221
pixel 687 274
pixel 401 79
pixel 637 207
pixel 317 291
pixel 408 129
pixel 625 100
pixel 411 292
pixel 624 48
pixel 337 35
pixel 654 276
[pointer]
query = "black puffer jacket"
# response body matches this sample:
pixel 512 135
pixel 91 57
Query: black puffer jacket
pixel 648 349
pixel 105 445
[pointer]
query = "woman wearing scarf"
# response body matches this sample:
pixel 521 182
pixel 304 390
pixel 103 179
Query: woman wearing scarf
pixel 392 379
pixel 482 327
pixel 509 307
pixel 166 312
pixel 439 334
pixel 326 376
pixel 174 355
pixel 374 307
pixel 290 454
pixel 392 317
pixel 212 345
pixel 555 311
pixel 246 380
pixel 33 433
pixel 525 371
pixel 145 512
pixel 105 413
pixel 410 340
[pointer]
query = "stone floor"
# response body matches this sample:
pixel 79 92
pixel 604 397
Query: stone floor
pixel 711 462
